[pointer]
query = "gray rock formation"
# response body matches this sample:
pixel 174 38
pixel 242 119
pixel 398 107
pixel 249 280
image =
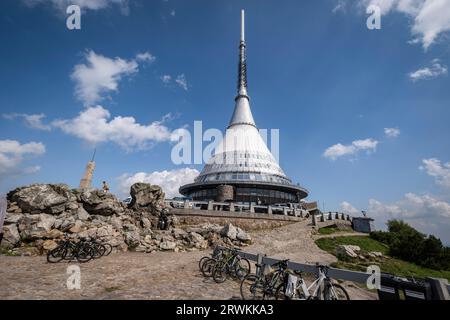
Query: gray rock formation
pixel 39 215
pixel 144 195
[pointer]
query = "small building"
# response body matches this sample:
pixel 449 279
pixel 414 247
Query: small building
pixel 363 224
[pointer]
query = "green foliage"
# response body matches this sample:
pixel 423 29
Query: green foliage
pixel 387 264
pixel 408 244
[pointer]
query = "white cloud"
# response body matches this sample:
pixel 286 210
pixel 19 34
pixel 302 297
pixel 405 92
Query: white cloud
pixel 84 4
pixel 170 181
pixel 33 121
pixel 100 75
pixel 145 57
pixel 436 69
pixel 95 125
pixel 425 212
pixel 166 78
pixel 347 208
pixel 12 154
pixel 173 13
pixel 339 150
pixel 392 132
pixel 182 82
pixel 430 18
pixel 440 171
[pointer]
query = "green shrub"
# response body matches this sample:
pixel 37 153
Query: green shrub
pixel 408 244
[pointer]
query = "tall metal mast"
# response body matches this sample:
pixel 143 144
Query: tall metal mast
pixel 242 72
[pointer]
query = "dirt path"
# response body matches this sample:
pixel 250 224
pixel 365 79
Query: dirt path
pixel 162 275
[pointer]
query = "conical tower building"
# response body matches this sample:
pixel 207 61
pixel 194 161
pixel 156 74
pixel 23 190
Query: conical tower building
pixel 242 168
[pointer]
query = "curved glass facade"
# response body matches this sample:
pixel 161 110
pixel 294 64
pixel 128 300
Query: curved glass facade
pixel 241 176
pixel 249 194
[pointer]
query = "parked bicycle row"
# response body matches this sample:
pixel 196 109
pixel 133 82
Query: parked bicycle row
pixel 280 283
pixel 83 250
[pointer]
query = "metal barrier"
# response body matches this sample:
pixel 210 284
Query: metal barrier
pixel 391 285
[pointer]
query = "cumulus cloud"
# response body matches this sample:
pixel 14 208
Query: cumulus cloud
pixel 61 5
pixel 100 75
pixel 392 132
pixel 12 154
pixel 425 212
pixel 339 150
pixel 430 18
pixel 33 121
pixel 95 125
pixel 170 181
pixel 435 70
pixel 347 208
pixel 439 171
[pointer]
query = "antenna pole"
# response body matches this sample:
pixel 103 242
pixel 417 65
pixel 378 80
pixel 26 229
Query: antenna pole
pixel 93 156
pixel 243 25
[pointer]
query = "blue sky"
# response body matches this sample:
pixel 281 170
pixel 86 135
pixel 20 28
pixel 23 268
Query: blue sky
pixel 316 72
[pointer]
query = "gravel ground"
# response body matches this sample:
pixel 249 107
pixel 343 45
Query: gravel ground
pixel 161 275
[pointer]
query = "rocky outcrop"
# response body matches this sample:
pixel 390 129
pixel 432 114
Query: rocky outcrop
pixel 39 215
pixel 347 251
pixel 144 195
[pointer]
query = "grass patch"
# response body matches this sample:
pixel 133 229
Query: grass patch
pixel 365 243
pixel 112 289
pixel 387 263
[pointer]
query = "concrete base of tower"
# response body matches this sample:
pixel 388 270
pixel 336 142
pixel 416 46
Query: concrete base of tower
pixel 262 193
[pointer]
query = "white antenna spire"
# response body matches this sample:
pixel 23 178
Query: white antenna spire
pixel 243 25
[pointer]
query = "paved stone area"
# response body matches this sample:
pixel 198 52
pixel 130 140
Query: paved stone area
pixel 161 275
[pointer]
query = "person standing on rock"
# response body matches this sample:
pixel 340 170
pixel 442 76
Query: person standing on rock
pixel 3 205
pixel 105 187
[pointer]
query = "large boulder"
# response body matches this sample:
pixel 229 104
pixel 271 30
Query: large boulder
pixel 11 236
pixel 48 198
pixel 145 195
pixel 229 231
pixel 243 236
pixel 347 251
pixel 97 202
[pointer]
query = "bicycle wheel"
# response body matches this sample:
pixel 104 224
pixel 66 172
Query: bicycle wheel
pixel 56 255
pixel 98 250
pixel 241 268
pixel 202 261
pixel 252 287
pixel 208 267
pixel 84 253
pixel 220 273
pixel 280 293
pixel 335 292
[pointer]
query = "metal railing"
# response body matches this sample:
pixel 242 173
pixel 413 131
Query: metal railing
pixel 237 207
pixel 428 289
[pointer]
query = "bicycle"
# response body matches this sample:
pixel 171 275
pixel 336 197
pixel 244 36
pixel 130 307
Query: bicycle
pixel 217 252
pixel 231 264
pixel 68 250
pixel 321 288
pixel 262 287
